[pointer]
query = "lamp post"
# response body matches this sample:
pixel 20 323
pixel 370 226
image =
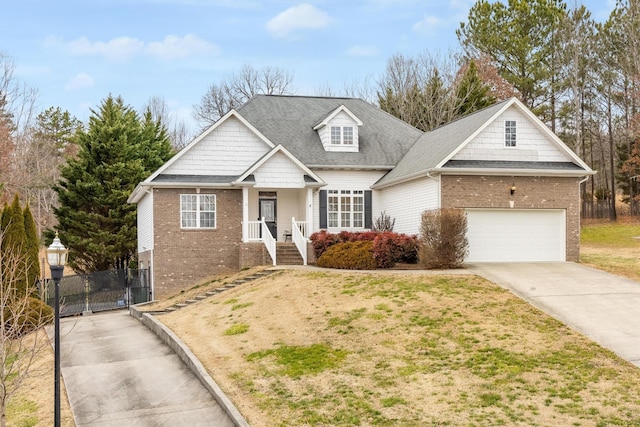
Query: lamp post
pixel 57 258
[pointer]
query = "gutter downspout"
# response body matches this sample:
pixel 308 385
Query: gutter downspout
pixel 439 182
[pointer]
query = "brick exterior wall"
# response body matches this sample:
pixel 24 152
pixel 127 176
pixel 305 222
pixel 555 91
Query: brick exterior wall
pixel 531 193
pixel 183 257
pixel 253 254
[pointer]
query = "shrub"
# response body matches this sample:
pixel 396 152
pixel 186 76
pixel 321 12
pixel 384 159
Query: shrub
pixel 385 250
pixel 443 238
pixel 26 315
pixel 349 255
pixel 321 241
pixel 383 223
pixel 409 247
pixel 390 248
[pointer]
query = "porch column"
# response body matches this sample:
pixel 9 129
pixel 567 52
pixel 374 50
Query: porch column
pixel 309 213
pixel 245 214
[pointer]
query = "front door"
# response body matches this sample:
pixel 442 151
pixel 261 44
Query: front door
pixel 267 209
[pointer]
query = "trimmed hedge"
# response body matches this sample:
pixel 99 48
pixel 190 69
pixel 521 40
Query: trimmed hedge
pixel 388 248
pixel 350 256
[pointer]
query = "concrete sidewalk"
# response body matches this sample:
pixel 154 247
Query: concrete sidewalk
pixel 118 373
pixel 601 306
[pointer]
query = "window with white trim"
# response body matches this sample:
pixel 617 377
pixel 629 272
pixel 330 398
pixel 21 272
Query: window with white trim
pixel 342 135
pixel 510 133
pixel 345 208
pixel 198 211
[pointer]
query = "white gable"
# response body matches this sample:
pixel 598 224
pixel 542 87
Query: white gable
pixel 532 144
pixel 341 119
pixel 279 171
pixel 229 149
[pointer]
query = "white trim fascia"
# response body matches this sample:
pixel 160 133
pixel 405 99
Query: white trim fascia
pixel 268 156
pixel 136 194
pixel 199 138
pixel 335 113
pixel 403 179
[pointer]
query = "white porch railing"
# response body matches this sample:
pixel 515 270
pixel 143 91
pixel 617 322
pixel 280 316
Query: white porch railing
pixel 299 237
pixel 269 240
pixel 253 231
pixel 257 231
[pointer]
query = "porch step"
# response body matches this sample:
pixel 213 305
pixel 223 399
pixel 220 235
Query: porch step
pixel 287 254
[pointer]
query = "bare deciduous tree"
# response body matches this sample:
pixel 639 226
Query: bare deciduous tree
pixel 177 129
pixel 22 322
pixel 234 91
pixel 428 91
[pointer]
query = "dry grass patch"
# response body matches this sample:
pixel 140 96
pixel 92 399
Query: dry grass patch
pixel 33 403
pixel 333 348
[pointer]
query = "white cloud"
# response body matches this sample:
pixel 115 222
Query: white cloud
pixel 427 25
pixel 80 81
pixel 118 49
pixel 123 48
pixel 173 47
pixel 300 17
pixel 362 51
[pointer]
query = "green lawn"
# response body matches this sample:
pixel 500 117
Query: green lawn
pixel 613 247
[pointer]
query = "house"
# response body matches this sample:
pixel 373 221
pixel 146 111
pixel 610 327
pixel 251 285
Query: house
pixel 279 168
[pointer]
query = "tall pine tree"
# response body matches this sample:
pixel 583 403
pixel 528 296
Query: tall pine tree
pixel 116 152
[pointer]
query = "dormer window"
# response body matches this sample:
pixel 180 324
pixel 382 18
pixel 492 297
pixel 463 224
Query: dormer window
pixel 342 135
pixel 339 131
pixel 510 133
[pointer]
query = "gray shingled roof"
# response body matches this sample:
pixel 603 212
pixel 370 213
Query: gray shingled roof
pixel 289 120
pixel 196 179
pixel 434 146
pixel 500 164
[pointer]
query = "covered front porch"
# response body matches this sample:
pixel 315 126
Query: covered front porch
pixel 278 215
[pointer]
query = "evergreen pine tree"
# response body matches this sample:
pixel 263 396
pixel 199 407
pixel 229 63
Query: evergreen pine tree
pixel 14 241
pixel 32 247
pixel 472 93
pixel 116 152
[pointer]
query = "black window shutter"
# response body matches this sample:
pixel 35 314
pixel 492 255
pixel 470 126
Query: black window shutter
pixel 368 216
pixel 323 209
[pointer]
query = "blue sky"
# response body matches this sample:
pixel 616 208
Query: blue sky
pixel 77 52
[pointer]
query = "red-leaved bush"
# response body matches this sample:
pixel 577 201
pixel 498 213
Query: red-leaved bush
pixel 388 247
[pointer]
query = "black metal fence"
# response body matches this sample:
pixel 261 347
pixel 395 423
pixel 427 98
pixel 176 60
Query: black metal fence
pixel 99 291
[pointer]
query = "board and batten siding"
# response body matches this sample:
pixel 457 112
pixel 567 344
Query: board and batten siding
pixel 532 144
pixel 145 223
pixel 406 202
pixel 346 180
pixel 232 147
pixel 279 171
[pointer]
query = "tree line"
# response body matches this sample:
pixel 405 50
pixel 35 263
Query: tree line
pixel 578 75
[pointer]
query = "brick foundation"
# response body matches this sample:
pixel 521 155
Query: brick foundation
pixel 254 254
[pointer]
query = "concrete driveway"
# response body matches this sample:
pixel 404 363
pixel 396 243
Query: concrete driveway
pixel 118 373
pixel 601 306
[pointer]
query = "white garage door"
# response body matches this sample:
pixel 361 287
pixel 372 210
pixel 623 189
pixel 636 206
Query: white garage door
pixel 497 235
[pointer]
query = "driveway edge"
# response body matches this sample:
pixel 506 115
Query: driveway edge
pixel 192 362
